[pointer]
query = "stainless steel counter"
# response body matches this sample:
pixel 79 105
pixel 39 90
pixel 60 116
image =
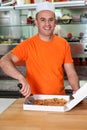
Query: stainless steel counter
pixel 8 88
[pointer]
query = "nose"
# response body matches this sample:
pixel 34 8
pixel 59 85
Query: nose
pixel 47 22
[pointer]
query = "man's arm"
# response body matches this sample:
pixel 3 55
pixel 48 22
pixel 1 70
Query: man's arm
pixel 7 63
pixel 72 76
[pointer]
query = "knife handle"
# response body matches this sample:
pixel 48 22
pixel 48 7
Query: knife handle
pixel 19 85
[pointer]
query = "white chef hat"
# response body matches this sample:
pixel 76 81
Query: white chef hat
pixel 45 6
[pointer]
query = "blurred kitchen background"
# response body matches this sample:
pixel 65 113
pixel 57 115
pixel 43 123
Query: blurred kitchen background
pixel 18 24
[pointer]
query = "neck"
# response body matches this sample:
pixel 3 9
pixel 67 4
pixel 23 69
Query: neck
pixel 46 38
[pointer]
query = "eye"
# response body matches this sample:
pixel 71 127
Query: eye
pixel 43 19
pixel 51 19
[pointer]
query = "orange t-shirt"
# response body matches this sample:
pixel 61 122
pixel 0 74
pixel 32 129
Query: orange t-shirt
pixel 44 63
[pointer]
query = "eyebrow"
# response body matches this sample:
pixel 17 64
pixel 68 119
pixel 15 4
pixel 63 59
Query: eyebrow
pixel 48 18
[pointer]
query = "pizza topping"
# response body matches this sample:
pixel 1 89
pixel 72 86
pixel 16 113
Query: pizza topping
pixel 51 102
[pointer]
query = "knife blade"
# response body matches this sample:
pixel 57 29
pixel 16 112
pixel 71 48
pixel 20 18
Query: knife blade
pixel 30 99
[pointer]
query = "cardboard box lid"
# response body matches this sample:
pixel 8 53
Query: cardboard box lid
pixel 78 97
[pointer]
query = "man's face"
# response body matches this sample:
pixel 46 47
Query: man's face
pixel 45 21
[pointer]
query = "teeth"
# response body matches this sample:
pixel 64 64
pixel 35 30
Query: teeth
pixel 47 28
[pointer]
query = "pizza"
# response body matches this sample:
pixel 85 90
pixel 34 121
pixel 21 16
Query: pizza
pixel 51 102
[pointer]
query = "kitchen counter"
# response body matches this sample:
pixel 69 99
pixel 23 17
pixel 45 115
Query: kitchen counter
pixel 9 89
pixel 15 118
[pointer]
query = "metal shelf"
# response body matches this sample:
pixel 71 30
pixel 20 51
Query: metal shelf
pixel 57 5
pixel 6 8
pixel 68 4
pixel 26 6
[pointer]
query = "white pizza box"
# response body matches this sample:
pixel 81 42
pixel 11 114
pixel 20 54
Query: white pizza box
pixel 46 108
pixel 77 97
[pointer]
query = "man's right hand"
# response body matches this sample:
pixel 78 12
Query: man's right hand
pixel 25 90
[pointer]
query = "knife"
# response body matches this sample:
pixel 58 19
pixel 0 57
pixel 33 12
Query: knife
pixel 30 99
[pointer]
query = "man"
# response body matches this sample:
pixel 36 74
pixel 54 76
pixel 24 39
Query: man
pixel 45 56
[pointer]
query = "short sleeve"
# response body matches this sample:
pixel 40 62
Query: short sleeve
pixel 68 56
pixel 21 50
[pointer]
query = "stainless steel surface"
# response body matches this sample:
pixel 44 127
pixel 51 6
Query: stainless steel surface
pixel 6 8
pixel 7 21
pixel 67 86
pixel 12 84
pixel 5 48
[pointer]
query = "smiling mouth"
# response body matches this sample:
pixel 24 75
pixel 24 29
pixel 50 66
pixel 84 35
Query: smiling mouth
pixel 47 28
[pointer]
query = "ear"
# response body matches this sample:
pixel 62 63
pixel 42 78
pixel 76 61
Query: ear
pixel 55 21
pixel 35 21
